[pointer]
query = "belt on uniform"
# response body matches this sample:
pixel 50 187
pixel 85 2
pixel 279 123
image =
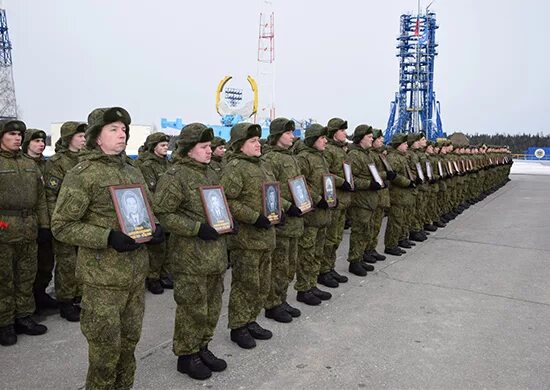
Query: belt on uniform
pixel 24 213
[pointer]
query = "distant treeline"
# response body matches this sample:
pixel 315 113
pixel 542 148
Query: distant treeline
pixel 518 143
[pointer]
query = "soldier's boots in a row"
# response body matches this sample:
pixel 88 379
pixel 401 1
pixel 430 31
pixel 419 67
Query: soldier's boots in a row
pixel 245 335
pixel 357 268
pixel 376 255
pixel 69 311
pixel 331 279
pixel 44 301
pixel 200 365
pixel 313 296
pixel 154 286
pixel 430 227
pixel 395 251
pixel 279 314
pixel 7 335
pixel 439 224
pixel 294 312
pixel 26 325
pixel 417 236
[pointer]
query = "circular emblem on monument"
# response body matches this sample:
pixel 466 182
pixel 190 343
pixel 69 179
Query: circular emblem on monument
pixel 539 153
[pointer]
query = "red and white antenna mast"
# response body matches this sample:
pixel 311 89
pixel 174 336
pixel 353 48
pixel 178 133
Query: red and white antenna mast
pixel 266 65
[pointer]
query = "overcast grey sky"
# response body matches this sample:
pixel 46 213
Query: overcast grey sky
pixel 333 58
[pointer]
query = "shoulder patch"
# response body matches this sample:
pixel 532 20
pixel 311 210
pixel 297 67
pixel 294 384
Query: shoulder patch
pixel 171 171
pixel 81 166
pixel 54 183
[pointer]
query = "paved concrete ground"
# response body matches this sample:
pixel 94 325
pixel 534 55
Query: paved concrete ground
pixel 469 308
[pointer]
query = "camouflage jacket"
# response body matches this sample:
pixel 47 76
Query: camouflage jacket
pixel 152 167
pixel 360 160
pixel 384 193
pixel 22 199
pixel 400 193
pixel 217 164
pixel 242 180
pixel 85 215
pixel 335 154
pixel 313 166
pixel 177 204
pixel 40 163
pixel 284 166
pixel 418 156
pixel 56 169
pixel 440 184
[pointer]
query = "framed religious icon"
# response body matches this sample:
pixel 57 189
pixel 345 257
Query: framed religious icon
pixel 491 161
pixel 450 168
pixel 346 166
pixel 376 175
pixel 429 170
pixel 271 199
pixel 329 190
pixel 386 162
pixel 410 175
pixel 456 167
pixel 216 208
pixel 440 169
pixel 463 163
pixel 133 211
pixel 420 172
pixel 300 194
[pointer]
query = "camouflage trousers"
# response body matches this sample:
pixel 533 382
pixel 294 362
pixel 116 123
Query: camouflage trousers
pixel 396 228
pixel 335 232
pixel 199 300
pixel 360 229
pixel 283 267
pixel 67 286
pixel 375 226
pixel 250 284
pixel 159 266
pixel 310 252
pixel 111 322
pixel 17 274
pixel 45 266
pixel 419 212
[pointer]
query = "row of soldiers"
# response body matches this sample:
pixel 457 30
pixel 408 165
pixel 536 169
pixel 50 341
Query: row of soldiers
pixel 419 189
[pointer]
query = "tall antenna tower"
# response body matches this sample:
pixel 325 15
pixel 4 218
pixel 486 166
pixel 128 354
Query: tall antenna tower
pixel 8 104
pixel 266 65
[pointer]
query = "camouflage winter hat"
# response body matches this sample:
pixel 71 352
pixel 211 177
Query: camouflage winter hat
pixel 334 125
pixel 241 132
pixel 103 116
pixel 398 139
pixel 191 135
pixel 12 125
pixel 413 137
pixel 69 129
pixel 313 132
pixel 154 139
pixel 217 141
pixel 360 132
pixel 377 133
pixel 278 127
pixel 31 134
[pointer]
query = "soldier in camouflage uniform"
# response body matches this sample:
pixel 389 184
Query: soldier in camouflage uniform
pixel 335 156
pixel 218 152
pixel 24 216
pixel 418 211
pixel 311 246
pixel 198 253
pixel 67 148
pixel 110 264
pixel 285 167
pixel 250 249
pixel 153 164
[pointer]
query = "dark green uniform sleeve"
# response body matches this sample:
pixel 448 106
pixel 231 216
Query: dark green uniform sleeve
pixel 305 169
pixel 233 185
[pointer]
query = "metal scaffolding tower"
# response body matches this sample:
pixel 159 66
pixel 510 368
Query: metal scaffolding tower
pixel 415 103
pixel 8 104
pixel 266 66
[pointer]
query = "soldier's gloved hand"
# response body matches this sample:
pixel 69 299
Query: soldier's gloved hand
pixel 282 220
pixel 432 181
pixel 374 185
pixel 418 181
pixel 412 185
pixel 347 187
pixel 262 222
pixel 391 175
pixel 44 236
pixel 207 232
pixel 236 227
pixel 122 242
pixel 158 236
pixel 294 211
pixel 322 204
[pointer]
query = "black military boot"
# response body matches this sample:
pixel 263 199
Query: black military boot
pixel 279 314
pixel 440 224
pixel 377 255
pixel 167 282
pixel 326 279
pixel 242 337
pixel 368 267
pixel 27 325
pixel 308 298
pixel 368 258
pixel 154 286
pixel 339 278
pixel 193 366
pixel 430 228
pixel 212 361
pixel 44 301
pixel 258 332
pixel 404 244
pixel 416 236
pixel 357 269
pixel 7 335
pixel 393 251
pixel 411 243
pixel 69 311
pixel 322 295
pixel 291 310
